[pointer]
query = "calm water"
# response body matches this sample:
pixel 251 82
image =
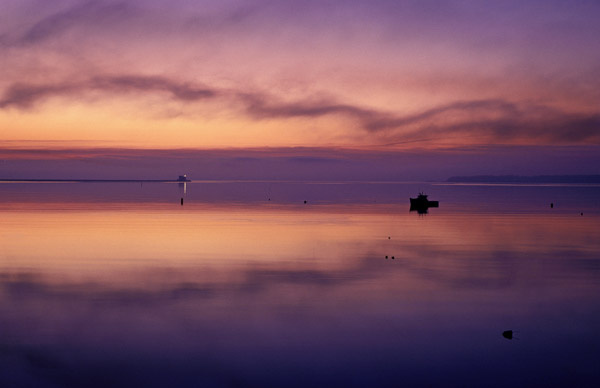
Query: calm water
pixel 119 285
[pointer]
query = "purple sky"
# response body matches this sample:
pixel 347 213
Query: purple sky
pixel 363 89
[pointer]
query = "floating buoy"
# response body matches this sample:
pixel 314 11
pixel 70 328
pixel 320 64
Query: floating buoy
pixel 508 334
pixel 181 201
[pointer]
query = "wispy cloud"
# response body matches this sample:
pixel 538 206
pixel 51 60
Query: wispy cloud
pixel 484 106
pixel 178 90
pixel 90 12
pixel 23 95
pixel 475 120
pixel 99 17
pixel 261 106
pixel 494 119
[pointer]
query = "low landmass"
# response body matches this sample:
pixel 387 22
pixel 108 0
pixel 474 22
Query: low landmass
pixel 525 179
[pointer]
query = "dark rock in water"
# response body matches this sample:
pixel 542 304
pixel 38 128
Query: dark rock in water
pixel 508 334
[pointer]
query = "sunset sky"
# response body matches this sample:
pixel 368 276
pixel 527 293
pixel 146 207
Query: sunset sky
pixel 154 87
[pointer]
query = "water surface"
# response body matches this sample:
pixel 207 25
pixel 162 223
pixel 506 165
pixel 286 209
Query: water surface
pixel 117 284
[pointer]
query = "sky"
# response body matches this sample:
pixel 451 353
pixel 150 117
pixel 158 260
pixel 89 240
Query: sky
pixel 390 88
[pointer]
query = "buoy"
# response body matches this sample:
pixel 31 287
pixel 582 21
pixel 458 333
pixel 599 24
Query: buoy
pixel 181 201
pixel 304 201
pixel 393 258
pixel 508 334
pixel 386 257
pixel 551 205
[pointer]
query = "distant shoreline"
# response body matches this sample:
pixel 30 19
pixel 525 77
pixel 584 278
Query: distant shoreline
pixel 472 179
pixel 525 179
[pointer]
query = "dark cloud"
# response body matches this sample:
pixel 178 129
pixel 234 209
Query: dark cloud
pixel 260 106
pixel 494 119
pixel 56 160
pixel 96 12
pixel 383 123
pixel 508 124
pixel 229 17
pixel 94 18
pixel 479 120
pixel 488 120
pixel 22 95
pixel 180 91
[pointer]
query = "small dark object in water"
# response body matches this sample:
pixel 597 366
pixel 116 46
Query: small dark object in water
pixel 182 201
pixel 304 201
pixel 393 258
pixel 508 334
pixel 389 237
pixel 386 256
pixel 551 205
pixel 582 213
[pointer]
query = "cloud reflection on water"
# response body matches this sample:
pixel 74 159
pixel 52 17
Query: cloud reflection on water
pixel 292 295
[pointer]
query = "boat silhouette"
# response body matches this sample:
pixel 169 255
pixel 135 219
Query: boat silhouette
pixel 422 203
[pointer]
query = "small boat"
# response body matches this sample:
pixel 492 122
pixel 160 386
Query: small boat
pixel 183 178
pixel 421 203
